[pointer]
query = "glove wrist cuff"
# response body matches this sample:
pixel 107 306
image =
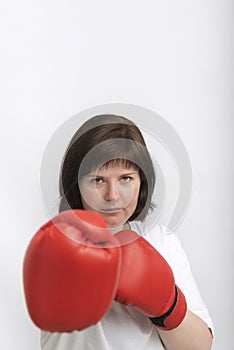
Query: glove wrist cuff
pixel 175 315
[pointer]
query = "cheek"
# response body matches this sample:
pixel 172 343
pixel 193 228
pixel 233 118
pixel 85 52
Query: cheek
pixel 90 197
pixel 136 194
pixel 131 195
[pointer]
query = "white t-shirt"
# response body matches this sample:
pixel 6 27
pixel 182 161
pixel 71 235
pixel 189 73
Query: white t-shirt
pixel 124 327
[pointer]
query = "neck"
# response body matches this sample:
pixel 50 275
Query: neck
pixel 116 229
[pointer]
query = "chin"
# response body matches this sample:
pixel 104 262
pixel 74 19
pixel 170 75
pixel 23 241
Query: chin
pixel 114 223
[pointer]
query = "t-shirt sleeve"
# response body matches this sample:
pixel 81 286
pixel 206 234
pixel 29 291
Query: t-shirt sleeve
pixel 170 247
pixel 185 280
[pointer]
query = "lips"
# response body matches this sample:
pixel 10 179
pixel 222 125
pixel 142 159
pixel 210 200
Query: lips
pixel 111 210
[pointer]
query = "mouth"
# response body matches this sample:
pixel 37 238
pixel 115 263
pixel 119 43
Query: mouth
pixel 111 210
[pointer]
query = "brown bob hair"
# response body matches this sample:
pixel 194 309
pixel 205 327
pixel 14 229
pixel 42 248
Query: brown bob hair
pixel 102 140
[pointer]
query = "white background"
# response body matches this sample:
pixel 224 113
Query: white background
pixel 173 57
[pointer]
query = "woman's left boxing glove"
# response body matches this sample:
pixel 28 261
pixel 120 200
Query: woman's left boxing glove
pixel 70 271
pixel 147 282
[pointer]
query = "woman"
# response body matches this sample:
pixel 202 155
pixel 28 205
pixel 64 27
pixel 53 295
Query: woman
pixel 107 169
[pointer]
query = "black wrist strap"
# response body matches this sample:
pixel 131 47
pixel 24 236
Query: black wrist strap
pixel 159 321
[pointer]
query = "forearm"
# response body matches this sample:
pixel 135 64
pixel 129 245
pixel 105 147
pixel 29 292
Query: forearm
pixel 191 334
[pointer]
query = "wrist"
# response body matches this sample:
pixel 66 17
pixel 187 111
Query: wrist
pixel 174 315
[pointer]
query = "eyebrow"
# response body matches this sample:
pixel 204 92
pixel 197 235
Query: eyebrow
pixel 124 174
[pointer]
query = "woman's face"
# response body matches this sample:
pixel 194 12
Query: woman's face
pixel 112 191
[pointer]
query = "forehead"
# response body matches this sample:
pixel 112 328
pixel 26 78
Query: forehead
pixel 117 165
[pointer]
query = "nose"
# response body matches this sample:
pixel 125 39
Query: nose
pixel 111 192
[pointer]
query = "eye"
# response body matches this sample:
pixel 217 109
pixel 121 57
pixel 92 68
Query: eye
pixel 126 179
pixel 97 180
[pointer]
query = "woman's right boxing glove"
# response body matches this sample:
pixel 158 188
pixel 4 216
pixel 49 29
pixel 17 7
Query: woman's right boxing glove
pixel 70 271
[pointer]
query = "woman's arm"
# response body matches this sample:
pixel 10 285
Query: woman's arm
pixel 191 334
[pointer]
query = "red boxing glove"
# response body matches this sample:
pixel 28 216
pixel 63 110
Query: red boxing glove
pixel 147 282
pixel 71 271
